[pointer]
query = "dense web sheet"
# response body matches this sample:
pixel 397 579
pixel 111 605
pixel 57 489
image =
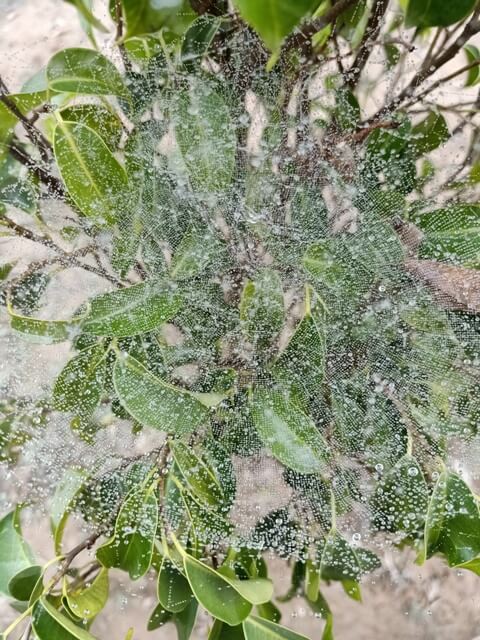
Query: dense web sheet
pixel 278 328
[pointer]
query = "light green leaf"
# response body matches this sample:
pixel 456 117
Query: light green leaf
pixel 430 133
pixel 80 384
pixel 131 546
pixel 197 250
pixel 453 521
pixel 63 499
pixel 88 602
pixel 155 403
pixel 452 234
pixel 100 119
pixel 205 134
pixel 262 307
pixel 94 178
pixel 50 624
pixel 199 477
pixel 43 331
pixel 473 55
pixel 260 629
pixel 132 311
pixel 141 49
pixel 290 434
pixel 401 499
pixel 148 16
pixel 471 565
pixel 436 13
pixel 302 362
pixel 173 589
pixel 274 19
pixel 84 71
pixel 227 599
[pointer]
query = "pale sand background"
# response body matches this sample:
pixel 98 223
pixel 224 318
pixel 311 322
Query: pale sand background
pixel 402 602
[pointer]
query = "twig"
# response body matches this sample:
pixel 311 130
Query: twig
pixel 53 184
pixel 119 37
pixel 50 244
pixel 32 132
pixel 369 37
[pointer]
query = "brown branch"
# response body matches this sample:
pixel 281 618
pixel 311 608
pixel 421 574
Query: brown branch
pixel 35 136
pixel 23 232
pixel 471 28
pixel 364 132
pixel 371 34
pixel 53 184
pixel 119 37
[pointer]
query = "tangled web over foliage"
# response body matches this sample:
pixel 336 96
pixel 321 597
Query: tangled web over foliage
pixel 283 286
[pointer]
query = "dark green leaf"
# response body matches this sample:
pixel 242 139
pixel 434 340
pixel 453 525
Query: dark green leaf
pixel 199 477
pixel 430 133
pixel 401 498
pixel 453 521
pixel 173 589
pixel 437 13
pixel 22 584
pixel 198 249
pixel 131 546
pixel 197 40
pixel 80 384
pixel 50 624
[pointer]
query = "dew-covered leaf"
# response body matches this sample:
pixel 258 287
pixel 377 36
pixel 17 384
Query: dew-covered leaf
pixel 131 311
pixel 87 602
pixel 50 624
pixel 288 433
pixel 154 402
pixel 84 71
pixel 80 384
pixel 262 307
pixel 173 589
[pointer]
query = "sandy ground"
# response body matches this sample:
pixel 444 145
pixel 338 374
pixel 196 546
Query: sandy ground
pixel 402 602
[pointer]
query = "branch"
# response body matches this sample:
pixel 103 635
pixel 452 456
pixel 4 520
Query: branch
pixel 471 28
pixel 23 232
pixel 35 136
pixel 119 37
pixel 53 184
pixel 371 34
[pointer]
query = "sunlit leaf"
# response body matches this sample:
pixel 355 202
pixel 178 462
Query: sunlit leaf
pixel 256 628
pixel 87 602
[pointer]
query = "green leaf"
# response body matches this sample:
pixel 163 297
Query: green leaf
pixel 131 546
pixel 87 603
pixel 141 49
pixel 205 134
pixel 453 521
pixel 198 39
pixel 302 362
pixel 148 16
pixel 131 311
pixel 43 331
pixel 430 133
pixel 260 629
pixel 274 20
pixel 80 384
pixel 338 560
pixel 50 624
pixel 473 55
pixel 199 477
pixel 199 248
pixel 158 618
pixel 94 178
pixel 436 13
pixel 22 584
pixel 401 498
pixel 18 192
pixel 84 71
pixel 471 565
pixel 262 307
pixel 290 434
pixel 225 598
pixel 63 500
pixel 221 631
pixel 27 293
pixel 185 620
pixel 100 119
pixel 173 589
pixel 321 607
pixel 155 403
pixel 451 234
